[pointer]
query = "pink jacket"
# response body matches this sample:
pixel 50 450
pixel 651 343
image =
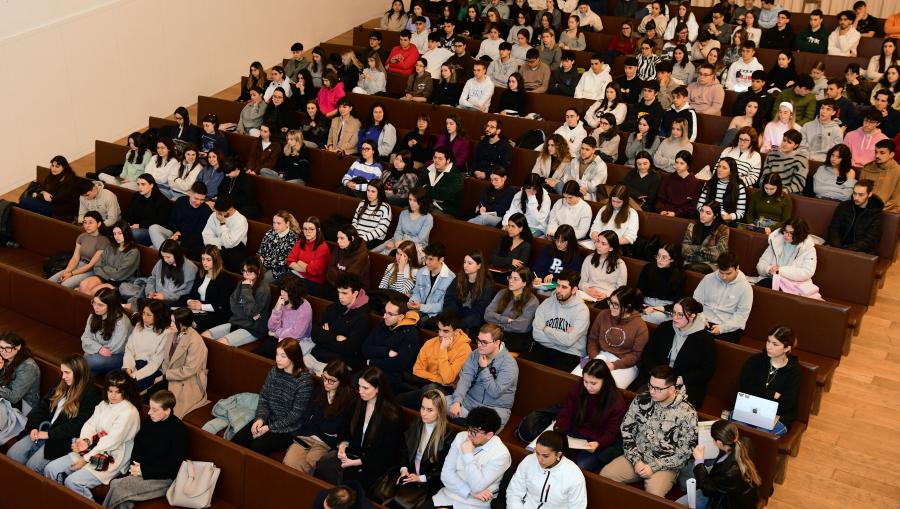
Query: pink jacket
pixel 327 99
pixel 862 145
pixel 706 99
pixel 288 322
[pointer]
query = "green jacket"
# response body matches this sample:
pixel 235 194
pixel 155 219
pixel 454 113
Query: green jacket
pixel 445 190
pixel 804 107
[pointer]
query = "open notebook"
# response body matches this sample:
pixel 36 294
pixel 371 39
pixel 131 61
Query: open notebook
pixel 574 443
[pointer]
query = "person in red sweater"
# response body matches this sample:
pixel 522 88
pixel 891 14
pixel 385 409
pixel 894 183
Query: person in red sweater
pixel 593 410
pixel 402 59
pixel 310 255
pixel 624 43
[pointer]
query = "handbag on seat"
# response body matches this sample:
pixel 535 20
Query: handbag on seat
pixel 194 486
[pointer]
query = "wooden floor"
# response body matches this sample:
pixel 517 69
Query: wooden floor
pixel 850 456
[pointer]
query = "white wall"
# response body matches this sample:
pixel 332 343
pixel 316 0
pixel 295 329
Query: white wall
pixel 78 70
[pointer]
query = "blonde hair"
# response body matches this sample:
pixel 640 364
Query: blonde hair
pixel 685 137
pixel 379 66
pixel 296 134
pixel 433 448
pixel 289 218
pixel 350 58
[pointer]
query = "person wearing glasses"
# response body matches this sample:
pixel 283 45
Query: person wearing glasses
pixel 659 433
pixel 706 95
pixel 488 379
pixel 249 303
pixel 19 384
pixel 618 335
pixel 394 343
pixel 475 464
pixel 687 346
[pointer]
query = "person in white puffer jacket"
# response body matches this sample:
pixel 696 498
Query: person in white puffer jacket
pixel 791 256
pixel 571 210
pixel 547 479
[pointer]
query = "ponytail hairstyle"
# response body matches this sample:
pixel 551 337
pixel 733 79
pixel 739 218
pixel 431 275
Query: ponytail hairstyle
pixel 291 221
pixel 727 433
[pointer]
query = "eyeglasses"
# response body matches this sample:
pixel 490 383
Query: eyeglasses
pixel 744 138
pixel 654 388
pixel 7 349
pixel 474 431
pixel 329 380
pixel 389 314
pixel 482 342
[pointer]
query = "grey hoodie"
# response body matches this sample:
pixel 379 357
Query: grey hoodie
pixel 105 203
pixel 553 319
pixel 681 336
pixel 821 137
pixel 725 304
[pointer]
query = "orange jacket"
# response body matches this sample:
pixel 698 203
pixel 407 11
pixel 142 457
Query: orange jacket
pixel 443 366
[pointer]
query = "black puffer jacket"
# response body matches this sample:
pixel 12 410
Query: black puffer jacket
pixel 855 228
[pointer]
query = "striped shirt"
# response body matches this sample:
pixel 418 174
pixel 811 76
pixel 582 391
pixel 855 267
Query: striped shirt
pixel 792 168
pixel 374 222
pixel 739 209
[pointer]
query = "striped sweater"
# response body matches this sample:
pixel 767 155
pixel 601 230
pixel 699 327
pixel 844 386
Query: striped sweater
pixel 360 170
pixel 405 281
pixel 283 400
pixel 749 164
pixel 792 168
pixel 373 222
pixel 738 209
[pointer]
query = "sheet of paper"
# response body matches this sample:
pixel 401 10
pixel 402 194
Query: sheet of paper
pixel 710 451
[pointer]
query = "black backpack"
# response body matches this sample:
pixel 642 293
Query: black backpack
pixel 531 139
pixel 5 227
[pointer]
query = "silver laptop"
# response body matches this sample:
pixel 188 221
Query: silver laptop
pixel 755 411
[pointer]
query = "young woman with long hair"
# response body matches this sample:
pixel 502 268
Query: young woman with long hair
pixel 291 317
pixel 782 123
pixel 373 215
pixel 775 374
pixel 552 161
pixel 66 407
pixel 377 128
pixel 419 142
pixel 309 257
pixel 146 345
pixel 164 164
pixel 604 270
pixel 642 140
pixel 277 243
pixel 607 136
pixel 400 275
pixel 835 179
pixel 669 148
pixel 733 480
pixel 616 216
pixel 414 224
pixel 725 188
pixel 495 199
pixel 372 79
pixel 642 182
pixel 331 407
pixel 678 193
pixel 770 207
pixel 427 441
pixel 109 433
pixel 534 202
pixel 618 335
pixel 283 402
pixel 890 81
pixel 136 160
pixel 705 239
pixel 753 117
pixel 513 309
pixel 744 150
pixel 611 103
pixel 89 248
pixel 182 180
pixel 183 370
pixel 562 254
pixel 249 303
pixel 20 380
pixel 209 296
pixel 471 292
pixel 782 76
pixel 351 256
pixel 448 88
pixel 256 78
pixel 171 278
pixel 514 249
pixel 106 332
pixel 662 283
pixel 118 263
pixel 879 64
pixel 454 138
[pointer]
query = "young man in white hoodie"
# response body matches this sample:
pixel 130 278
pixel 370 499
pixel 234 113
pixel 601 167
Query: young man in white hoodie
pixel 572 130
pixel 592 84
pixel 475 464
pixel 727 298
pixel 547 479
pixel 560 326
pixel 477 93
pixel 436 55
pixel 823 132
pixel 740 73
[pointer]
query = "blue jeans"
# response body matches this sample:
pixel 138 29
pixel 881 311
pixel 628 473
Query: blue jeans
pixel 101 365
pixel 37 205
pixel 141 236
pixel 595 461
pixel 29 453
pixel 81 481
pixel 701 502
pixel 75 280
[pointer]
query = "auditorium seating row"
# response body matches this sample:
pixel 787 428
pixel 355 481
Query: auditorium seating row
pixel 234 370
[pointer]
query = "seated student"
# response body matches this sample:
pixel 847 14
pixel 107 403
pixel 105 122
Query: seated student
pixel 105 333
pixel 658 433
pixel 210 292
pixel 147 343
pixel 642 182
pixel 733 479
pixel 629 83
pixel 378 130
pixel 489 49
pixel 571 210
pixel 495 200
pixel 343 136
pixel 493 151
pixel 109 433
pixel 118 263
pixel 373 79
pixel 400 275
pixel 607 136
pixel 885 172
pixel 62 411
pixel 844 40
pixel 823 132
pixel 160 446
pixel 616 216
pixel 513 250
pixel 775 374
pixel 136 160
pixel 432 284
pixel 604 270
pixel 789 162
pixel 171 278
pixel 164 163
pixel 561 255
pixel 565 78
pixel 94 197
pixel 705 239
pixel 439 361
pixel 276 245
pixel 416 149
pixel 669 148
pixel 706 95
pixel 249 303
pixel 265 154
pixel 478 90
pixel 727 297
pixel 588 170
pixel 291 317
pixel 744 150
pixel 513 309
pixel 772 207
pixel 610 103
pixel 350 256
pixel 725 188
pixel 309 257
pixel 240 187
pixel 400 177
pixel 534 74
pixel 572 131
pixel 552 162
pixel 618 335
pixel 533 202
pixel 455 140
pixel 20 380
pixel 372 218
pixel 834 180
pixel 679 192
pixel 186 222
pixel 856 223
pixel 497 391
pixel 211 138
pixel 594 80
pixel 183 369
pixel 529 486
pixel 367 169
pixel 684 344
pixel 647 105
pixel 425 446
pixel 329 412
pixel 862 141
pixel 292 164
pixel 449 87
pixel 469 294
pixel 475 463
pixel 211 175
pixel 662 283
pixel 284 400
pixel 392 345
pixel 560 326
pixel 183 132
pixel 89 248
pixel 444 183
pixel 148 207
pixel 371 444
pixel 280 115
pixel 414 225
pixel 227 229
pixel 329 97
pixel 402 59
pixel 802 104
pixel 343 326
pixel 789 262
pixel 419 85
